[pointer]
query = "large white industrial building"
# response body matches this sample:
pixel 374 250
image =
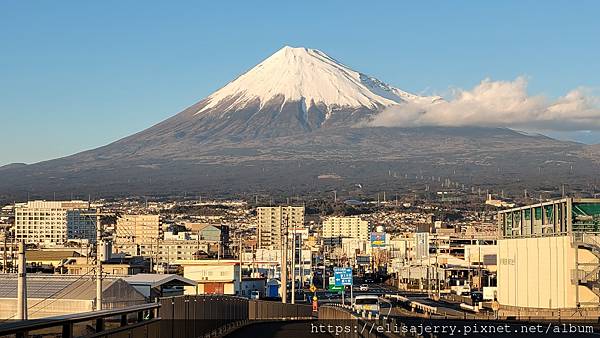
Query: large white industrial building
pixel 549 257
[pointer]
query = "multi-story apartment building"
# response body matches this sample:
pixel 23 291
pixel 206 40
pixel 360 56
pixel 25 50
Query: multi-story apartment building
pixel 137 229
pixel 336 228
pixel 274 222
pixel 54 222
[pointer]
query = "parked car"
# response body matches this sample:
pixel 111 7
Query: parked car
pixel 364 287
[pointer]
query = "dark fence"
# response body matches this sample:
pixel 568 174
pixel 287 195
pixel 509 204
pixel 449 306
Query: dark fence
pixel 264 310
pixel 139 321
pixel 196 316
pixel 171 317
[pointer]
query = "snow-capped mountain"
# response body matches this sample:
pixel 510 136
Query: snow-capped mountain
pixel 294 90
pixel 308 76
pixel 279 126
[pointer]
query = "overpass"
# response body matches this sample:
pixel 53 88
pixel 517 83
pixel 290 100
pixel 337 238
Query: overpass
pixel 170 317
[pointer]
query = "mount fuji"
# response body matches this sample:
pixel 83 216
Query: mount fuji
pixel 291 123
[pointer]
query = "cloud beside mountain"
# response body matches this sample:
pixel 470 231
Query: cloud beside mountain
pixel 500 104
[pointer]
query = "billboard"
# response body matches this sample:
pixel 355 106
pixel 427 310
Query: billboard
pixel 363 260
pixel 377 239
pixel 421 245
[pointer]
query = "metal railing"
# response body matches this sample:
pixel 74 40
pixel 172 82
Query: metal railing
pixel 201 315
pixel 178 316
pixel 213 315
pixel 106 323
pixel 264 310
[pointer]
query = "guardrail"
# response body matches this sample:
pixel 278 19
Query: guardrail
pixel 413 305
pixel 104 323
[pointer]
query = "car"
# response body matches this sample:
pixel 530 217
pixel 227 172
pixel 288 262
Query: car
pixel 363 287
pixel 477 296
pixel 368 303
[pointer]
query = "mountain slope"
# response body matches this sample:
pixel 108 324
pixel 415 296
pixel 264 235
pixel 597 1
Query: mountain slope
pixel 278 127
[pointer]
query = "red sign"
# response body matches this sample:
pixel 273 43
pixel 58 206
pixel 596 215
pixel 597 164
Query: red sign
pixel 315 305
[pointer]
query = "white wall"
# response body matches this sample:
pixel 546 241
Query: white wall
pixel 536 273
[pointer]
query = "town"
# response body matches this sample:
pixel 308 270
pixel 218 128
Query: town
pixel 477 257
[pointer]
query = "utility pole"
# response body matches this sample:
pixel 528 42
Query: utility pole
pixel 4 261
pixel 240 258
pixel 437 267
pixel 98 264
pixel 284 259
pixel 151 258
pixel 294 266
pixel 156 252
pixel 22 284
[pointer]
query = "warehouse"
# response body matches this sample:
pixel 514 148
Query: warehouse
pixel 549 257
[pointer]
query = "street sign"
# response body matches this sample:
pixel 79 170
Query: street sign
pixel 343 276
pixel 333 287
pixel 312 288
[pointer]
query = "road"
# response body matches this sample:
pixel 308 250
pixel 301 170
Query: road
pixel 374 289
pixel 442 307
pixel 278 329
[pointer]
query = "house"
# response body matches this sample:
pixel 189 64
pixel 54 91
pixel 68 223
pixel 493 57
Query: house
pixel 159 285
pixel 219 277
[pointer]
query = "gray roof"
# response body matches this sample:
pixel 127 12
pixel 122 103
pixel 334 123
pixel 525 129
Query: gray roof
pixel 154 280
pixel 54 286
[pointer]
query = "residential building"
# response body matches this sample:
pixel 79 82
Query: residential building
pixel 53 223
pixel 219 277
pixel 137 229
pixel 274 222
pixel 336 228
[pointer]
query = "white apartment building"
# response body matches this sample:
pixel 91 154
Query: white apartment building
pixel 273 222
pixel 54 222
pixel 336 228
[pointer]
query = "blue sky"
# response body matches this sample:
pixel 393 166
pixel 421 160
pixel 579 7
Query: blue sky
pixel 76 75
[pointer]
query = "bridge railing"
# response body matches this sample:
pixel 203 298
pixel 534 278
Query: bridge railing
pixel 200 315
pixel 264 310
pixel 188 316
pixel 103 323
pixel 193 316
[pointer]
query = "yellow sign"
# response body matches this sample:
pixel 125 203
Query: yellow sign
pixel 313 288
pixel 314 298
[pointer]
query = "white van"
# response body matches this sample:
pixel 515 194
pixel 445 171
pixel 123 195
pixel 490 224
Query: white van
pixel 367 303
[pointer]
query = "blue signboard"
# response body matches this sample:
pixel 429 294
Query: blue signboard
pixel 343 276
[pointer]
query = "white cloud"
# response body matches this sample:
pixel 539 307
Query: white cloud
pixel 500 104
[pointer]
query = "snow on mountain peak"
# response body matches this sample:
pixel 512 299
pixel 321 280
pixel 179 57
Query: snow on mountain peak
pixel 308 76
